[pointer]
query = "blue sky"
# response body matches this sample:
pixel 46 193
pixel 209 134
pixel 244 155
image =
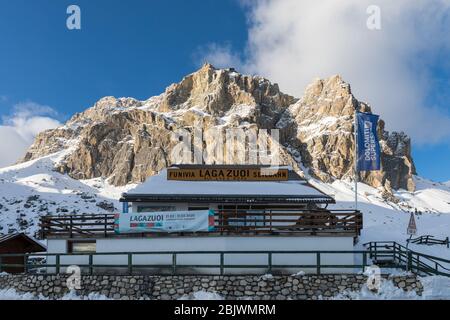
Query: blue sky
pixel 122 50
pixel 137 48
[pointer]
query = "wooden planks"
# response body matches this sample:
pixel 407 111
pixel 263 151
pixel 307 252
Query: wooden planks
pixel 227 222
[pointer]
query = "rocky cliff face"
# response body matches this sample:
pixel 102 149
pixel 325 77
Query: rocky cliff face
pixel 128 140
pixel 320 126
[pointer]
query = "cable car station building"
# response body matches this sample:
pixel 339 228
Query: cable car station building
pixel 204 209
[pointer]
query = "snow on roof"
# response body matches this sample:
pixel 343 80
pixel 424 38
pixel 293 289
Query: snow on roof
pixel 35 245
pixel 159 185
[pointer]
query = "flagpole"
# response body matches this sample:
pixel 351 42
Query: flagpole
pixel 356 159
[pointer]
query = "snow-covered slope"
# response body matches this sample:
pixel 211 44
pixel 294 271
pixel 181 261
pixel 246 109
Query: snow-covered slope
pixel 33 188
pixel 387 221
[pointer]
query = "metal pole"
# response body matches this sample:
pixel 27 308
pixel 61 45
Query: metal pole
pixel 57 264
pixel 130 264
pixel 356 160
pixel 318 263
pixel 269 257
pixel 408 241
pixel 91 262
pixel 364 261
pixel 174 263
pixel 409 267
pixel 222 261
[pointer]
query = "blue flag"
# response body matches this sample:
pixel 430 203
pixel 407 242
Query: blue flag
pixel 368 145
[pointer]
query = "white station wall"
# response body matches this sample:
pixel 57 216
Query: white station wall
pixel 225 244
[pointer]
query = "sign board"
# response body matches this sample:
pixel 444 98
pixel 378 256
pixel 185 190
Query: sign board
pixel 412 228
pixel 166 221
pixel 222 174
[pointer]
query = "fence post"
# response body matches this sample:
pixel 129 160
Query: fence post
pixel 57 262
pixel 106 225
pixel 174 263
pixel 418 263
pixel 396 257
pixel 318 263
pixel 71 226
pixel 409 267
pixel 25 264
pixel 221 221
pixel 271 218
pixel 364 261
pixel 130 264
pixel 91 268
pixel 221 263
pixel 374 256
pixel 269 262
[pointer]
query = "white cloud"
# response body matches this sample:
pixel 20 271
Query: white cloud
pixel 293 42
pixel 221 55
pixel 19 130
pixel 12 145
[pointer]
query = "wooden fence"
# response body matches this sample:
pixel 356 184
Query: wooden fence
pixel 227 222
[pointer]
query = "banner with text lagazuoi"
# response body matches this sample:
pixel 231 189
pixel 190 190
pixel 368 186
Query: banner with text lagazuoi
pixel 170 221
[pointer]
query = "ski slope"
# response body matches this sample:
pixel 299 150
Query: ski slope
pixel 387 221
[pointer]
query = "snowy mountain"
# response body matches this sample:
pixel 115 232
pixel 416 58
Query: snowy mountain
pixel 126 140
pixel 84 166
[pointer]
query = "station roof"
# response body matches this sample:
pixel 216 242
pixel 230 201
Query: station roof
pixel 159 189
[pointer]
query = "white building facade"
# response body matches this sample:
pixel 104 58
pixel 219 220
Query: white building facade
pixel 257 221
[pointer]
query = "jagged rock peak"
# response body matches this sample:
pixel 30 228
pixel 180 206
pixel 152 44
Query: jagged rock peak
pixel 332 96
pixel 216 91
pixel 321 127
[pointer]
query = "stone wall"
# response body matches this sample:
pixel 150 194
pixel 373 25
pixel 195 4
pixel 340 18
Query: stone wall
pixel 299 287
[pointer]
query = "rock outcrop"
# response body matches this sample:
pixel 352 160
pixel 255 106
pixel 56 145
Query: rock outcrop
pixel 127 140
pixel 320 126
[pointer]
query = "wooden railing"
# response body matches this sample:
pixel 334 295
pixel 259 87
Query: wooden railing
pixel 95 225
pixel 192 262
pixel 429 241
pixel 227 222
pixel 393 254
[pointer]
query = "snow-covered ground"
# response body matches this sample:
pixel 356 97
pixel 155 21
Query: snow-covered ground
pixel 434 288
pixel 388 221
pixel 203 295
pixel 11 294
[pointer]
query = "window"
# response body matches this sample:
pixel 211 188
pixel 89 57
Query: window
pixel 256 220
pixel 155 208
pixel 244 216
pixel 197 208
pixel 82 246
